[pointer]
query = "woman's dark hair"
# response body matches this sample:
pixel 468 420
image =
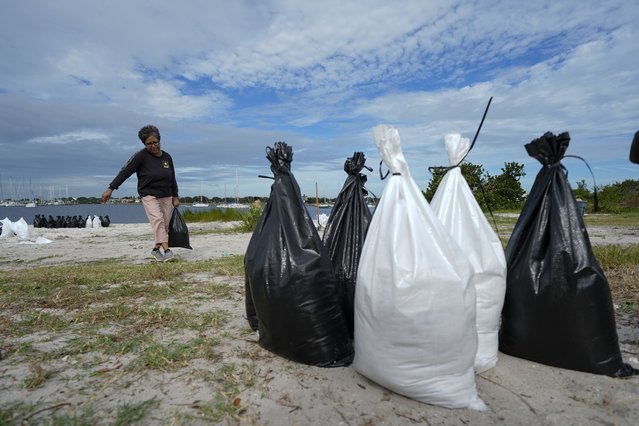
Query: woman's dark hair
pixel 147 131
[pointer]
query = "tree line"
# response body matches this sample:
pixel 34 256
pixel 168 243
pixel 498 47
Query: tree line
pixel 504 191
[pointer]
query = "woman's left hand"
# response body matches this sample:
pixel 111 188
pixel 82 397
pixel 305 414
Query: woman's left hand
pixel 176 202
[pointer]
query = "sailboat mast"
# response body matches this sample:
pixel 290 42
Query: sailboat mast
pixel 317 201
pixel 236 186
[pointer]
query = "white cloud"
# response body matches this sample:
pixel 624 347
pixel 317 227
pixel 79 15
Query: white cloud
pixel 72 137
pixel 225 79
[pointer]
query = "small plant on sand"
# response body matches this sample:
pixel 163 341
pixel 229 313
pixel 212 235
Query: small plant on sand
pixel 250 219
pixel 131 413
pixel 38 376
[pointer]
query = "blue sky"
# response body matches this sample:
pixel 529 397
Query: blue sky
pixel 223 80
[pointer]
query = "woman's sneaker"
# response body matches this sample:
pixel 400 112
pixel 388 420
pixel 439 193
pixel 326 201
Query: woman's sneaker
pixel 168 255
pixel 157 255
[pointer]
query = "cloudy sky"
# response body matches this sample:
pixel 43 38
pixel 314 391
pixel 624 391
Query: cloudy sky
pixel 223 80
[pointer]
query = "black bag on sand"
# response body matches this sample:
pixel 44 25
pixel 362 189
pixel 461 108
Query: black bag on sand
pixel 178 232
pixel 634 149
pixel 346 229
pixel 292 296
pixel 558 309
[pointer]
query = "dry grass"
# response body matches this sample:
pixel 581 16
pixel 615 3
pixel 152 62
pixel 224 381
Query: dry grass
pixel 157 317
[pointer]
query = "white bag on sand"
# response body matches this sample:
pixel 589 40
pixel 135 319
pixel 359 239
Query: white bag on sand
pixel 415 304
pixel 20 228
pixel 89 222
pixel 461 215
pixel 96 222
pixel 7 228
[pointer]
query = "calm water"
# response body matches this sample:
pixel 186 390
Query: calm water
pixel 118 213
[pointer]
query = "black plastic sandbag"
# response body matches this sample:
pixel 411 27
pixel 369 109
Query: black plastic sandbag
pixel 558 308
pixel 346 230
pixel 178 231
pixel 634 149
pixel 292 296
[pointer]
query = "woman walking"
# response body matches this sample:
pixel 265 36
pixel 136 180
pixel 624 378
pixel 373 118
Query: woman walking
pixel 157 187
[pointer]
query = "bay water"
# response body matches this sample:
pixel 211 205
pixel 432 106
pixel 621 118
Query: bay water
pixel 118 213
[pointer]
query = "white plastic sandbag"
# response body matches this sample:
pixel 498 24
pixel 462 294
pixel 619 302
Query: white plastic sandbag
pixel 20 228
pixel 89 222
pixel 96 222
pixel 7 229
pixel 460 214
pixel 415 304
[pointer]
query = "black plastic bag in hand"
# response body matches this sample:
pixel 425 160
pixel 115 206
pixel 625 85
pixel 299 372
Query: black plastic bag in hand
pixel 178 231
pixel 346 230
pixel 558 308
pixel 292 296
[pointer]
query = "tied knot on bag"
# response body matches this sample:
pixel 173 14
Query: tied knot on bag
pixel 557 164
pixel 472 144
pixel 384 176
pixel 280 157
pixel 353 167
pixel 550 149
pixel 442 169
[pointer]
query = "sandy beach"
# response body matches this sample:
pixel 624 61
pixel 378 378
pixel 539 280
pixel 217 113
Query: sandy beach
pixel 280 392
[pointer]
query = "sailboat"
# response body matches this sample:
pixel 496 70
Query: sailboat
pixel 201 203
pixel 236 204
pixel 33 202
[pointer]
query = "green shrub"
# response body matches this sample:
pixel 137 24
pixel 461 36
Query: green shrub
pixel 250 219
pixel 213 215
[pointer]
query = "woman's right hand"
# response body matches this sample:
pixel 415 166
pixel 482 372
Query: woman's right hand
pixel 106 195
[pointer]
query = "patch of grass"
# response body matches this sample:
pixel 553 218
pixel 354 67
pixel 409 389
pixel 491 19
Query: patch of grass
pixel 629 308
pixel 105 314
pixel 168 357
pixel 216 291
pixel 233 230
pixel 233 378
pixel 38 376
pixel 231 266
pixel 213 215
pixel 221 408
pixel 155 316
pixel 624 219
pixel 506 220
pixel 11 414
pixel 111 309
pixel 38 321
pixel 615 256
pixel 86 417
pixel 109 344
pixel 163 357
pixel 132 413
pixel 624 285
pixel 75 287
pixel 204 347
pixel 214 318
pixel 137 318
pixel 20 349
pixel 620 265
pixel 110 272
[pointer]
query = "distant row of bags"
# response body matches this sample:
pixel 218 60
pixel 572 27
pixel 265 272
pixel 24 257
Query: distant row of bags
pixel 421 297
pixel 40 221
